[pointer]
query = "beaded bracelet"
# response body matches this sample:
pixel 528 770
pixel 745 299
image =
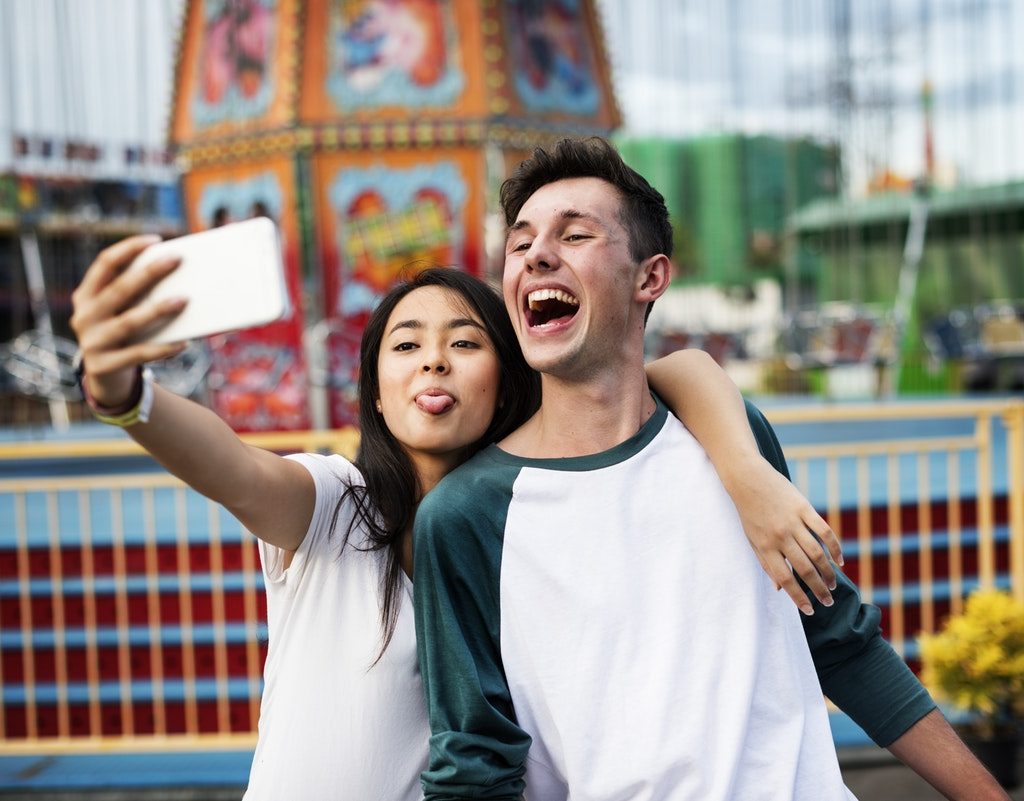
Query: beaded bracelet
pixel 135 410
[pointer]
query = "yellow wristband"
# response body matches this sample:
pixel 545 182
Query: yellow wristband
pixel 139 413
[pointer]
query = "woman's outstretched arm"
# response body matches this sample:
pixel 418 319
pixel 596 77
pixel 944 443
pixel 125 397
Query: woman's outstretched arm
pixel 271 496
pixel 776 517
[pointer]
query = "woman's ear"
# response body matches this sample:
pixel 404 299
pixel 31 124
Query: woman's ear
pixel 380 408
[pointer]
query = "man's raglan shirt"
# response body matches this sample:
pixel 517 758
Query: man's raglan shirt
pixel 599 628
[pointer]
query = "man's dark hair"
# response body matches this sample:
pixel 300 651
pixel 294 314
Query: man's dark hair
pixel 643 211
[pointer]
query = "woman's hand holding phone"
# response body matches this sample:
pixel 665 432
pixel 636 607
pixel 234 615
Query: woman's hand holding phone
pixel 110 311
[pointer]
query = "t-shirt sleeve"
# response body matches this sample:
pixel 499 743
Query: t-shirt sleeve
pixel 858 670
pixel 331 476
pixel 477 749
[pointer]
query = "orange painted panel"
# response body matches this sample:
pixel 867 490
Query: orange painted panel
pixel 380 216
pixel 236 68
pixel 368 60
pixel 258 379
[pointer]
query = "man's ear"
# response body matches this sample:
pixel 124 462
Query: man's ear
pixel 654 278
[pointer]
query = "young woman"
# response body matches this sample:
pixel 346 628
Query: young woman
pixel 441 374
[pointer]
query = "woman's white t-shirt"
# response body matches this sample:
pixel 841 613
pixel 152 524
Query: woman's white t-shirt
pixel 332 724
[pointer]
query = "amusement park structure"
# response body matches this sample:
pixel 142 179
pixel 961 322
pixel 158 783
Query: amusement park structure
pixel 375 134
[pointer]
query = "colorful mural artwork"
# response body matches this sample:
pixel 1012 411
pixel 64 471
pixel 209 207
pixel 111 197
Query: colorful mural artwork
pixel 392 218
pixel 377 133
pixel 384 221
pixel 257 379
pixel 393 53
pixel 235 76
pixel 552 63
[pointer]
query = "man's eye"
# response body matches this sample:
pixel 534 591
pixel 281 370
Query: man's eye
pixel 520 247
pixel 577 237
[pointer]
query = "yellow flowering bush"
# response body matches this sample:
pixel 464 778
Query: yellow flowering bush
pixel 976 661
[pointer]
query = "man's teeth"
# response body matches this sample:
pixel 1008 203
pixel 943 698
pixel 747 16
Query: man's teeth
pixel 537 296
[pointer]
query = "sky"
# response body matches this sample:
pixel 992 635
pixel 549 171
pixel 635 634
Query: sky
pixel 846 70
pixel 839 70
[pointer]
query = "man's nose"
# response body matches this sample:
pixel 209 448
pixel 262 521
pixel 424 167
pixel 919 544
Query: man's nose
pixel 541 255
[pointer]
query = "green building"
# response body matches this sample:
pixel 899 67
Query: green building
pixel 729 196
pixel 973 248
pixel 969 288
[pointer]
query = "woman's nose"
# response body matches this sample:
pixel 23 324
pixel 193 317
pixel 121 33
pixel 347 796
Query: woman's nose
pixel 438 366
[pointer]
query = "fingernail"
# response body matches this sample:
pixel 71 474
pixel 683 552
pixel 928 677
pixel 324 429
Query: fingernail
pixel 841 560
pixel 832 586
pixel 827 601
pixel 176 303
pixel 807 609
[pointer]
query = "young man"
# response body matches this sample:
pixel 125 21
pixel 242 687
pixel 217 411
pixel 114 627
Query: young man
pixel 591 622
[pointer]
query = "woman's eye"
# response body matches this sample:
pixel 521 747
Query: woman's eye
pixel 465 343
pixel 405 346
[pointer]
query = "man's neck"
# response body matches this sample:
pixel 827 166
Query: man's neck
pixel 583 418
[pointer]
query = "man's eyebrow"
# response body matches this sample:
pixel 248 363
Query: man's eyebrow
pixel 565 214
pixel 576 214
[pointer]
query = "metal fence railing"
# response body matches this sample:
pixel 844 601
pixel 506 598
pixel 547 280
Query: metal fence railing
pixel 132 613
pixel 131 608
pixel 928 499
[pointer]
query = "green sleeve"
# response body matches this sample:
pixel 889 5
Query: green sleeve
pixel 858 670
pixel 477 749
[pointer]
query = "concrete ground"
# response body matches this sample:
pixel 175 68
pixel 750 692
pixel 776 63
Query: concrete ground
pixel 870 773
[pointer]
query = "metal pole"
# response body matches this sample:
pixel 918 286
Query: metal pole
pixel 44 324
pixel 1013 419
pixel 907 287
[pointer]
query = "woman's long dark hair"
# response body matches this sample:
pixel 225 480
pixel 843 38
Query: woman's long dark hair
pixel 385 504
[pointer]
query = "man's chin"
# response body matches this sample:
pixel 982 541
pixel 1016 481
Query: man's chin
pixel 560 360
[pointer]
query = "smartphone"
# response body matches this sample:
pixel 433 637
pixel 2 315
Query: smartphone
pixel 233 277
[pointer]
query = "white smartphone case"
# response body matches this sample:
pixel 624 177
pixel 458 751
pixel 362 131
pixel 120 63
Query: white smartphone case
pixel 233 278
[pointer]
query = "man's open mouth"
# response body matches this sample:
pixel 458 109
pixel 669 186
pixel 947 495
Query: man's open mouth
pixel 549 306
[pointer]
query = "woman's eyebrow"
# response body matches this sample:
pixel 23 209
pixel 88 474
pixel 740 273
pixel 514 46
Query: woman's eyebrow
pixel 414 324
pixel 456 322
pixel 462 322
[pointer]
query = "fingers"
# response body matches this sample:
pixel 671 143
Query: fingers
pixel 105 290
pixel 110 356
pixel 125 290
pixel 109 362
pixel 112 260
pixel 816 573
pixel 781 573
pixel 803 567
pixel 115 333
pixel 817 524
pixel 818 559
